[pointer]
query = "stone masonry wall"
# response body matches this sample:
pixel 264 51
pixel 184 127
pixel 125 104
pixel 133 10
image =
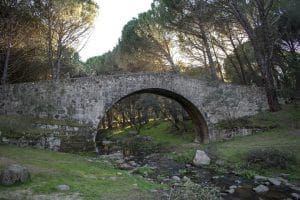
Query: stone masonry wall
pixel 85 100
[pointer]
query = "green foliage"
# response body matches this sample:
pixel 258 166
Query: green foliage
pixel 103 64
pixel 198 73
pixel 162 132
pixel 269 158
pixel 145 45
pixel 37 32
pixel 248 62
pixel 247 173
pixel 183 156
pixel 140 146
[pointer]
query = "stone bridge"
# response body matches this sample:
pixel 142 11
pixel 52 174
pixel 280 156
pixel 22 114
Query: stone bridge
pixel 84 101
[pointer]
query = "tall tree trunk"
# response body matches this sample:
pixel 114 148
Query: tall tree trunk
pixel 169 56
pixel 266 62
pixel 58 59
pixel 209 55
pixel 123 119
pixel 266 65
pixel 171 62
pixel 296 66
pixel 263 49
pixel 218 63
pixel 205 59
pixel 232 62
pixel 109 119
pixel 297 88
pixel 5 67
pixel 49 38
pixel 238 58
pixel 255 77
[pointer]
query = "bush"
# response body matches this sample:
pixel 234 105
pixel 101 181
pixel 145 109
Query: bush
pixel 269 158
pixel 139 146
pixel 247 173
pixel 184 157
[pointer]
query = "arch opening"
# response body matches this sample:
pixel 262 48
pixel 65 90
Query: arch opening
pixel 199 124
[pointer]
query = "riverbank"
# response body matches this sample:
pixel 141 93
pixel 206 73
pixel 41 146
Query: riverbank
pixel 233 172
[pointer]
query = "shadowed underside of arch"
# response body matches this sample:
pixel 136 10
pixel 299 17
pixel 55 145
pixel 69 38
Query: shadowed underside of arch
pixel 200 125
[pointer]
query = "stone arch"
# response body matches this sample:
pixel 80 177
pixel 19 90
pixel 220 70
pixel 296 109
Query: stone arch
pixel 199 122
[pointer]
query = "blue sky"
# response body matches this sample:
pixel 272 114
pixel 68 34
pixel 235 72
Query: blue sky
pixel 113 15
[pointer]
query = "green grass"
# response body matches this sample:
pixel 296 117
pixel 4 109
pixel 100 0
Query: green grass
pixel 280 130
pixel 91 179
pixel 287 118
pixel 235 150
pixel 162 132
pixel 283 133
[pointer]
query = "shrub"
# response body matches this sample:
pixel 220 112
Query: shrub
pixel 139 146
pixel 269 158
pixel 247 173
pixel 184 157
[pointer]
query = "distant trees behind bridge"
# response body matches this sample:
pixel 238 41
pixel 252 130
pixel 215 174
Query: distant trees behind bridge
pixel 250 42
pixel 139 109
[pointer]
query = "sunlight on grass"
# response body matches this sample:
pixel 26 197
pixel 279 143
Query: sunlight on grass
pixel 92 179
pixel 162 132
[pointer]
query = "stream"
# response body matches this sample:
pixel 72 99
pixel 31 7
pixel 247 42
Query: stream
pixel 232 186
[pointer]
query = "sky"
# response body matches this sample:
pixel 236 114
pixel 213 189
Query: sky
pixel 112 16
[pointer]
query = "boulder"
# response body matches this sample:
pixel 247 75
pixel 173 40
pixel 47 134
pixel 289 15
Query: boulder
pixel 295 188
pixel 133 163
pixel 186 179
pixel 260 178
pixel 176 178
pixel 261 189
pixel 63 187
pixel 230 191
pixel 233 187
pixel 125 166
pixel 201 159
pixel 113 178
pixel 295 196
pixel 274 181
pixel 13 174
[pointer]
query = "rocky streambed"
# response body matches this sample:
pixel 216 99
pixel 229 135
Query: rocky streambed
pixel 161 169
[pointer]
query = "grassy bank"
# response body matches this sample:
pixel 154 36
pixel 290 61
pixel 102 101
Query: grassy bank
pixel 281 137
pixel 98 179
pixel 162 133
pixel 93 179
